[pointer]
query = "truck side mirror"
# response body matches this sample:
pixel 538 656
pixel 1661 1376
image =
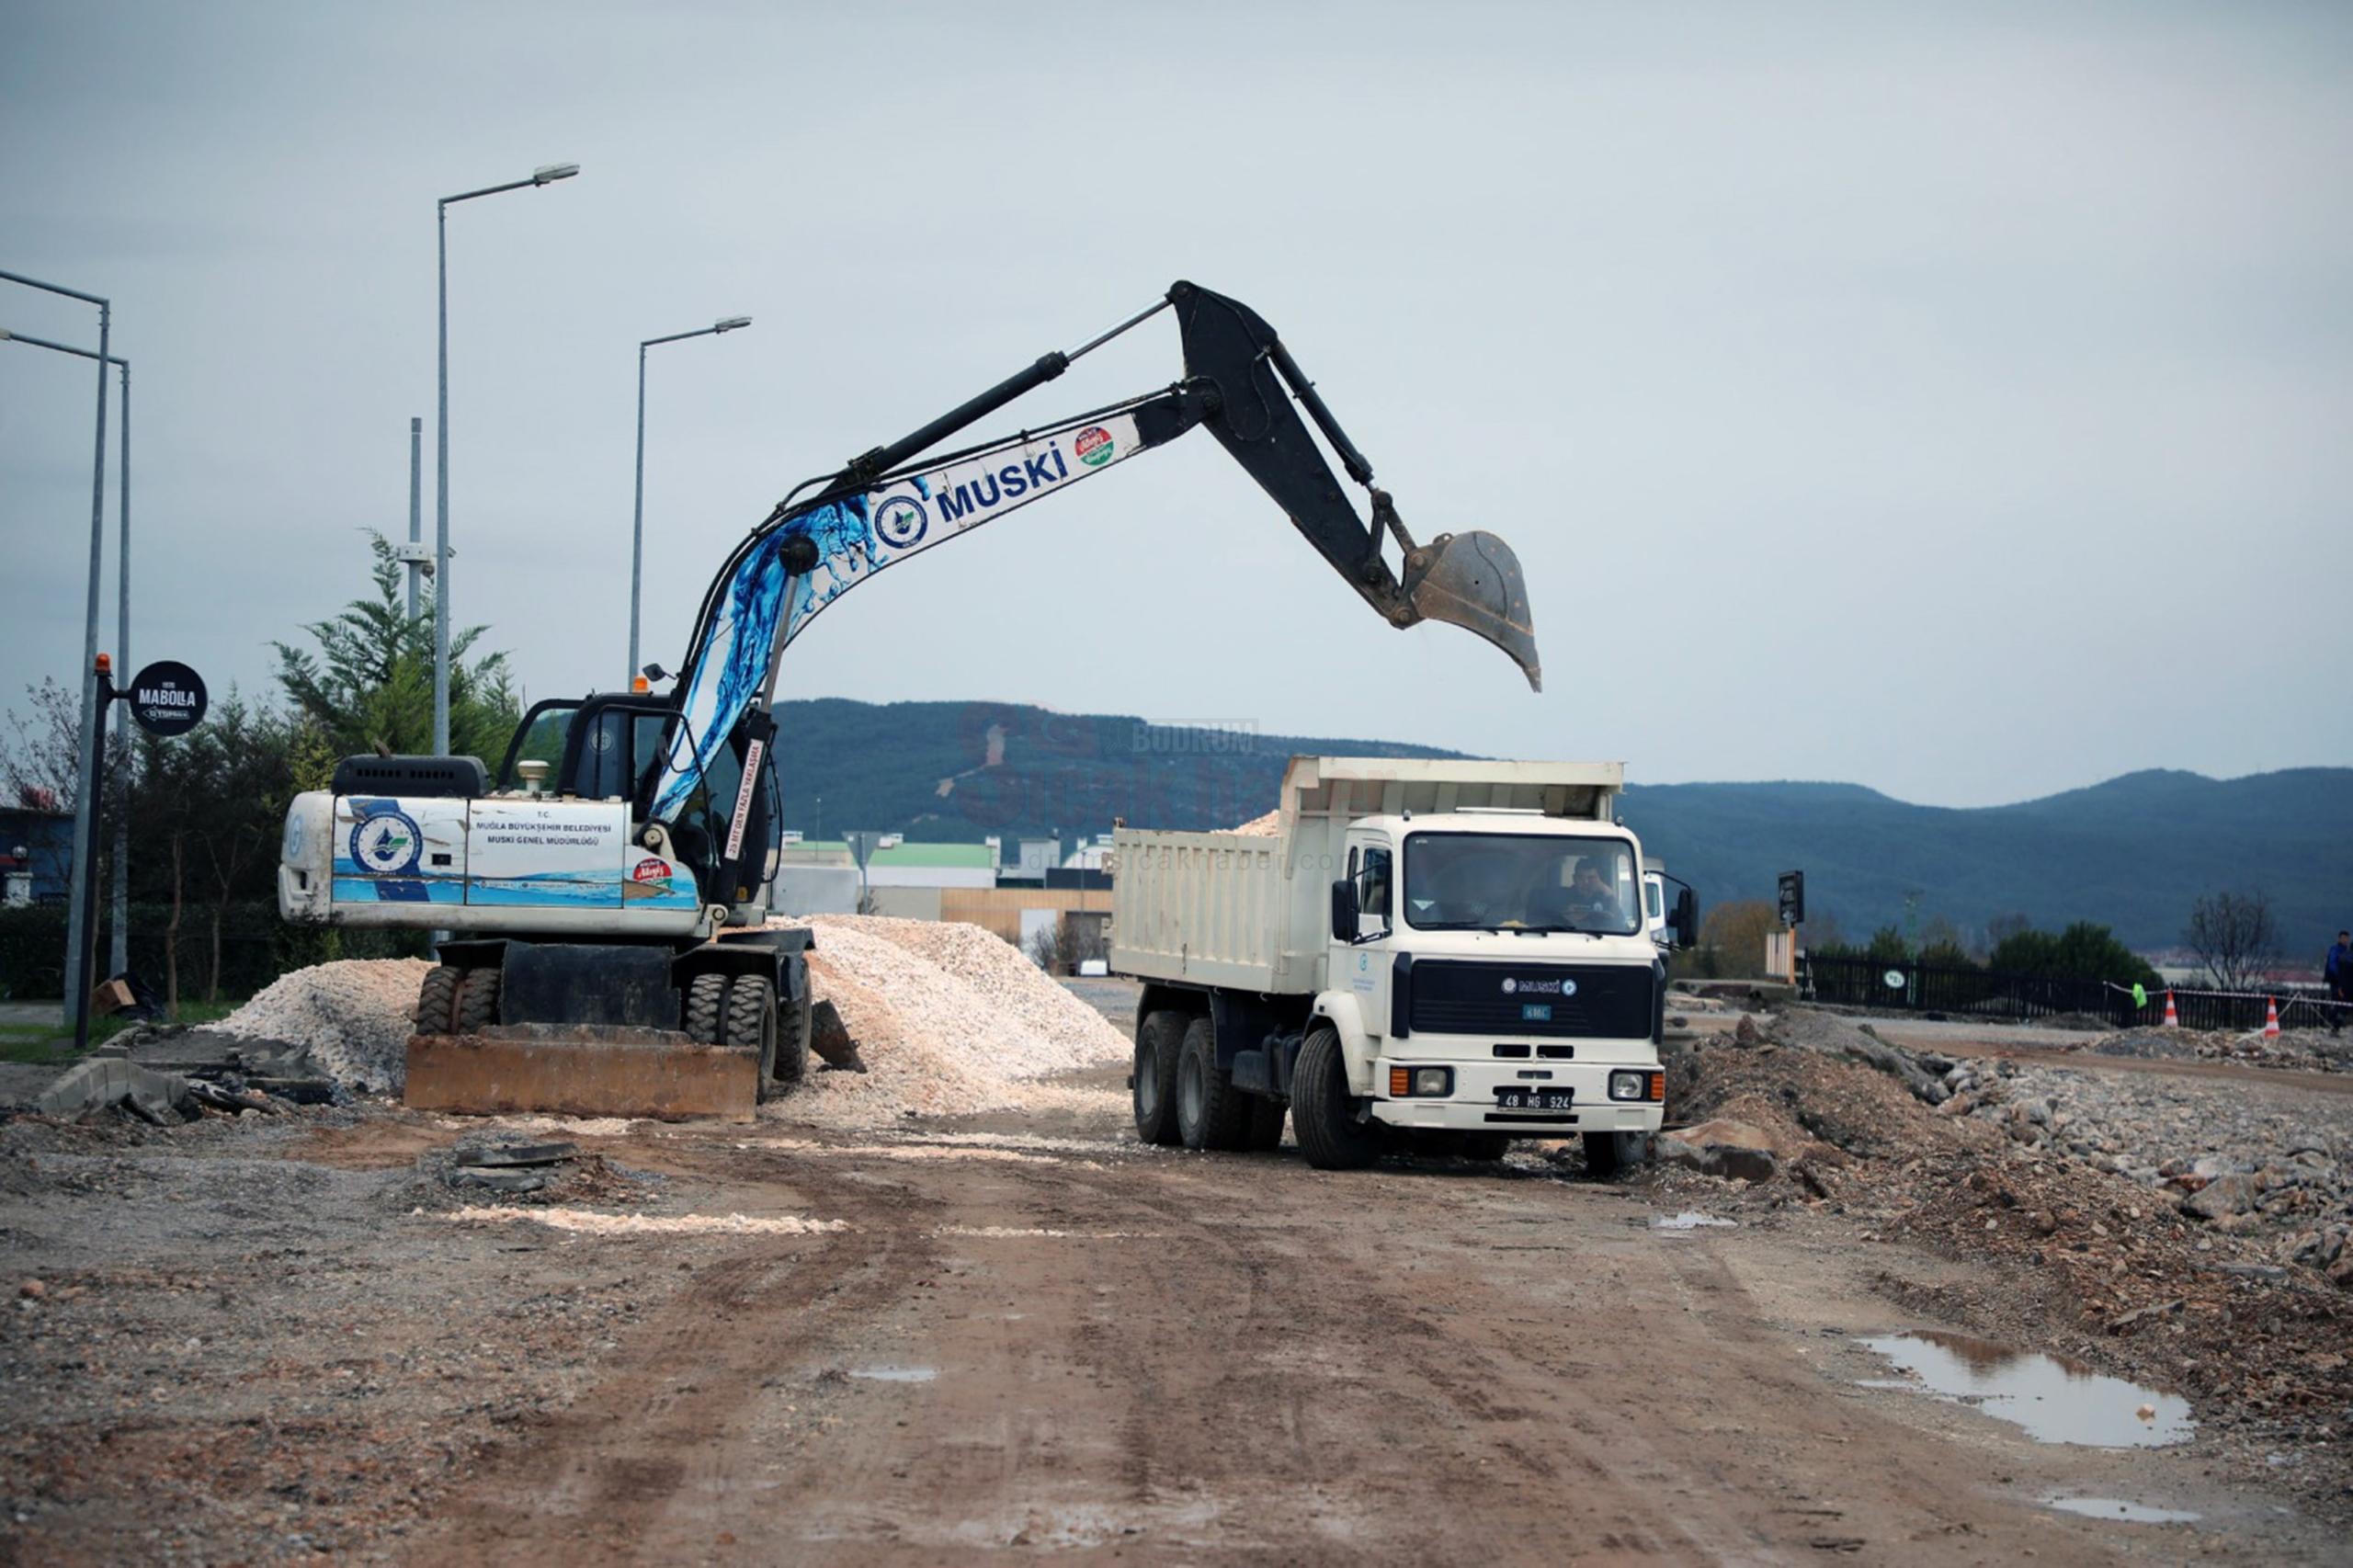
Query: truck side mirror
pixel 1685 923
pixel 1344 910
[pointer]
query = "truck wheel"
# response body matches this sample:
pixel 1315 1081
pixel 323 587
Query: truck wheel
pixel 1210 1109
pixel 1606 1154
pixel 436 999
pixel 706 1007
pixel 1329 1134
pixel 751 1021
pixel 1153 1087
pixel 477 1001
pixel 1266 1127
pixel 792 1037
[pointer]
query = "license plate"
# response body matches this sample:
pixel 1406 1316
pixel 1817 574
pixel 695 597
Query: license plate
pixel 1533 1100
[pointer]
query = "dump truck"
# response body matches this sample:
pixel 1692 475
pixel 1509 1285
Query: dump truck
pixel 1434 956
pixel 604 896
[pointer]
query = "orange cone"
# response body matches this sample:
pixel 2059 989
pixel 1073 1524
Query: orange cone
pixel 2272 1017
pixel 2173 1019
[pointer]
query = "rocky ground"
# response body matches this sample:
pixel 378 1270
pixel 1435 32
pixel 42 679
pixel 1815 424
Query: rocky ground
pixel 2190 1230
pixel 358 1331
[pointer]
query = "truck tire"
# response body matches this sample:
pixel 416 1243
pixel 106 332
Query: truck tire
pixel 793 1033
pixel 706 1011
pixel 1210 1111
pixel 477 1001
pixel 1153 1087
pixel 436 1000
pixel 1606 1154
pixel 751 1021
pixel 1265 1131
pixel 1329 1134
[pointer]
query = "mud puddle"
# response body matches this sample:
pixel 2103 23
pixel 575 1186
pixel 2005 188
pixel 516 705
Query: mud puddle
pixel 2117 1508
pixel 2055 1400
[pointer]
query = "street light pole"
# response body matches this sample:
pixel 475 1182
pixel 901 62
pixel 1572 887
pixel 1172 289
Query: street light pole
pixel 118 944
pixel 416 506
pixel 547 173
pixel 77 996
pixel 637 524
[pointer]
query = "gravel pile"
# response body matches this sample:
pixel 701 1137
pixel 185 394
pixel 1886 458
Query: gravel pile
pixel 356 1015
pixel 949 1020
pixel 1263 827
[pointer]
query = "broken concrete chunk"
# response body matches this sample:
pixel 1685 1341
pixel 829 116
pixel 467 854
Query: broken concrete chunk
pixel 2225 1196
pixel 104 1081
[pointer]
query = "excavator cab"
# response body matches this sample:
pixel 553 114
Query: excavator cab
pixel 610 747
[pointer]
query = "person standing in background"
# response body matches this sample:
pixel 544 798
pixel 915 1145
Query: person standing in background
pixel 2338 971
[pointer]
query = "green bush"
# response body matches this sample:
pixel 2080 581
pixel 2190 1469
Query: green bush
pixel 2083 952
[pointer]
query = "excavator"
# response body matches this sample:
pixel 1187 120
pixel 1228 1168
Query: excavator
pixel 606 944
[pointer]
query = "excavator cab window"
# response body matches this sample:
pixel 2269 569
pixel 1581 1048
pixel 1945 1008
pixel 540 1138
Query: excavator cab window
pixel 599 748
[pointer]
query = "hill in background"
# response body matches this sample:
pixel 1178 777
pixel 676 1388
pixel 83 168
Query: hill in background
pixel 2131 853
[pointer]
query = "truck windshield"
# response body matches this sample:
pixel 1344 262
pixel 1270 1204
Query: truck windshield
pixel 1464 882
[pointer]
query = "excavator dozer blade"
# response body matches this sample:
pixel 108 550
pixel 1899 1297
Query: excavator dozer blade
pixel 1473 581
pixel 581 1070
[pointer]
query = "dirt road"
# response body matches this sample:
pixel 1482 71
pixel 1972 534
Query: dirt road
pixel 1020 1339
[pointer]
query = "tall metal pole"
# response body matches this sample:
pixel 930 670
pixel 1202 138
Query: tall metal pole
pixel 416 504
pixel 546 174
pixel 78 983
pixel 441 503
pixel 118 945
pixel 637 527
pixel 82 906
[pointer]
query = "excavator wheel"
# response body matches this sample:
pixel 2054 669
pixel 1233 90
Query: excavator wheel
pixel 706 1007
pixel 436 999
pixel 751 1021
pixel 477 1006
pixel 793 1034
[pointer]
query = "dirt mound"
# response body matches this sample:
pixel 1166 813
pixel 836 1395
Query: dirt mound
pixel 356 1015
pixel 1263 827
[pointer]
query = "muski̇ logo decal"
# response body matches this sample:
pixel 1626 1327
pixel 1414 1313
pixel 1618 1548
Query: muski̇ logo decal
pixel 387 844
pixel 901 522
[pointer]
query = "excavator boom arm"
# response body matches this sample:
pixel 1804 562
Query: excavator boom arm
pixel 1240 382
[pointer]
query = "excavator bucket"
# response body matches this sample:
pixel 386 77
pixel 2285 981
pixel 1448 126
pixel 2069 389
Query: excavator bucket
pixel 1473 581
pixel 573 1070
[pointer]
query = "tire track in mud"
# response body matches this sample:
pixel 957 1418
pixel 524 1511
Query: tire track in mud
pixel 662 1432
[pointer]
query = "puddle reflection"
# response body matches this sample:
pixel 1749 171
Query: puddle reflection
pixel 2054 1399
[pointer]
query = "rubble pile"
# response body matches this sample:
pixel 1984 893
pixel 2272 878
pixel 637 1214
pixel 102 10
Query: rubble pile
pixel 2196 1232
pixel 1262 827
pixel 2301 1051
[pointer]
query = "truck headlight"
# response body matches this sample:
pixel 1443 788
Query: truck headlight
pixel 1630 1086
pixel 1427 1083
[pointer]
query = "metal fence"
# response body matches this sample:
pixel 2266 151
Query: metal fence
pixel 1974 992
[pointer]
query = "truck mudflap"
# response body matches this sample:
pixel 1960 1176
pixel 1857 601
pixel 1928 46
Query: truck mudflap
pixel 581 1070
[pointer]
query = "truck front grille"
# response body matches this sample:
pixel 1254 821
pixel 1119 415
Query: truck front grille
pixel 1570 1001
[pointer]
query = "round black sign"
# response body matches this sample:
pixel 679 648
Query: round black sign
pixel 167 699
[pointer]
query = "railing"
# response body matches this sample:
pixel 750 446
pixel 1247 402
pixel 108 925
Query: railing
pixel 1974 992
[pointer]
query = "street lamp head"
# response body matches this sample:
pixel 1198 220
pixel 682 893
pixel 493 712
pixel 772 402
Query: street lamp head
pixel 547 173
pixel 731 324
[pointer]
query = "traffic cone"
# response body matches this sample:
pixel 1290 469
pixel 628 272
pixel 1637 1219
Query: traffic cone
pixel 2272 1017
pixel 2173 1019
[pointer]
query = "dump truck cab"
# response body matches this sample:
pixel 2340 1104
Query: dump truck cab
pixel 1500 977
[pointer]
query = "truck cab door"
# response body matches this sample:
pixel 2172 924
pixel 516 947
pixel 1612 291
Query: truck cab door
pixel 1362 967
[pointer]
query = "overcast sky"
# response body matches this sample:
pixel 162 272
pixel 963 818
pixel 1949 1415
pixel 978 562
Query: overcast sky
pixel 1957 400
